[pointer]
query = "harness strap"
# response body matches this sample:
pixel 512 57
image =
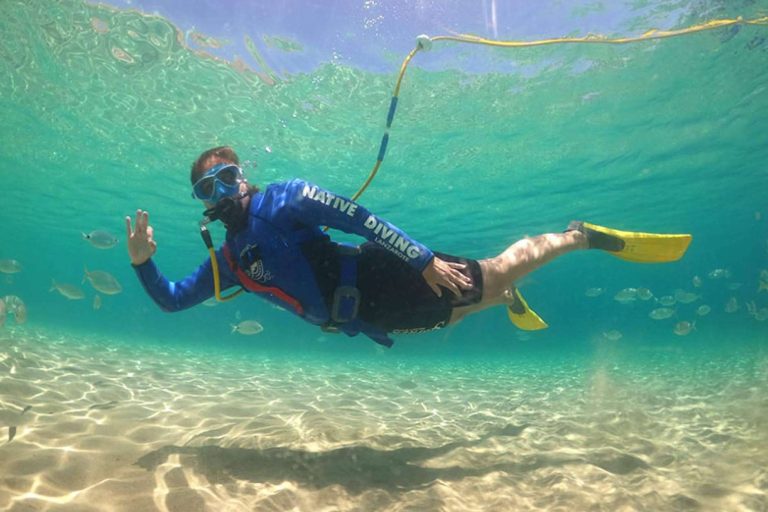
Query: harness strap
pixel 346 297
pixel 254 286
pixel 346 301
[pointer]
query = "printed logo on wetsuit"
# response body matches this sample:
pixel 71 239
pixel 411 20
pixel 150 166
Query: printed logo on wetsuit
pixel 391 239
pixel 253 265
pixel 420 330
pixel 328 199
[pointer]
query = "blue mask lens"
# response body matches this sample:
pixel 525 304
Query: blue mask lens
pixel 219 181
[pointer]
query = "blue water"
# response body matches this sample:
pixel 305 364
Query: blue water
pixel 105 106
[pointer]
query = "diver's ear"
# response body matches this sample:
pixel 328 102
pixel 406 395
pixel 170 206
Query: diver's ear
pixel 243 186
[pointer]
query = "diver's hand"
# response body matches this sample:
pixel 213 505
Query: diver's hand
pixel 141 245
pixel 448 274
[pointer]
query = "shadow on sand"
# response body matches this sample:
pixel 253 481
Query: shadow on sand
pixel 359 468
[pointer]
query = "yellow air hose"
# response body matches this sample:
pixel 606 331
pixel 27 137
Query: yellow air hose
pixel 424 42
pixel 215 267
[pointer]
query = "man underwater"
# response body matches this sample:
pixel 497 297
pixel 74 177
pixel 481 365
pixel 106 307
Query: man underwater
pixel 275 247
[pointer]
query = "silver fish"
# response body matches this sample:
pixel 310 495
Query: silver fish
pixel 685 297
pixel 626 295
pixel 10 266
pixel 2 312
pixel 247 327
pixel 101 239
pixel 661 313
pixel 732 305
pixel 720 273
pixel 667 300
pixel 612 335
pixel 696 282
pixel 103 282
pixel 683 328
pixel 14 419
pixel 594 292
pixel 644 294
pixel 20 314
pixel 69 291
pixel 703 310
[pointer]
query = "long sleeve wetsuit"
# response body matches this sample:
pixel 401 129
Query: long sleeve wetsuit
pixel 266 256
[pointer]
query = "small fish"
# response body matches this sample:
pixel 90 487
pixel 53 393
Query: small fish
pixel 732 305
pixel 10 266
pixel 16 307
pixel 211 302
pixel 594 292
pixel 612 335
pixel 69 291
pixel 247 327
pixel 719 273
pixel 20 313
pixel 101 239
pixel 644 294
pixel 103 282
pixel 683 328
pixel 762 281
pixel 626 295
pixel 703 310
pixel 661 313
pixel 97 302
pixel 761 315
pixel 697 282
pixel 734 286
pixel 667 301
pixel 13 419
pixel 685 297
pixel 107 405
pixel 3 312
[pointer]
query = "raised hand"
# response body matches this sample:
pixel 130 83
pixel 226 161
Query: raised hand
pixel 141 245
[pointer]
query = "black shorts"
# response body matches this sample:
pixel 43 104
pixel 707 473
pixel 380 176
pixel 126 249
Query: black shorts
pixel 393 295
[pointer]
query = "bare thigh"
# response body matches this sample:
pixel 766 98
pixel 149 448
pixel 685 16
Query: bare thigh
pixel 518 260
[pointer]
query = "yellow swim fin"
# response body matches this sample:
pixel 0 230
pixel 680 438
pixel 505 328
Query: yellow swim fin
pixel 633 245
pixel 521 315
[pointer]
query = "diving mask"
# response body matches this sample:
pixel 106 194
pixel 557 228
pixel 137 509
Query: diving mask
pixel 221 180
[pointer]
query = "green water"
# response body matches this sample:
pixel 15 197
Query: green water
pixel 105 109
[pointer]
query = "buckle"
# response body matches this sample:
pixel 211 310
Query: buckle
pixel 347 249
pixel 330 327
pixel 345 298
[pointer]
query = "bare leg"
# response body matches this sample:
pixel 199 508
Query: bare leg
pixel 519 259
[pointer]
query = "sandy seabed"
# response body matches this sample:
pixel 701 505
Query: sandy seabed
pixel 100 427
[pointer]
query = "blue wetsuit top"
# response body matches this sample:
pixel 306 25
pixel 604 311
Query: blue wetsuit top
pixel 266 256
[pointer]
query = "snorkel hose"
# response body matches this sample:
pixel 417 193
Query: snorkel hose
pixel 210 216
pixel 424 43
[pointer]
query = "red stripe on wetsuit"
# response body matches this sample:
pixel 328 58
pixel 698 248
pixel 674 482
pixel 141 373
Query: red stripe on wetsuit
pixel 254 286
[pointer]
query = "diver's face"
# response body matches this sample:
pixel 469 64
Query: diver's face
pixel 221 179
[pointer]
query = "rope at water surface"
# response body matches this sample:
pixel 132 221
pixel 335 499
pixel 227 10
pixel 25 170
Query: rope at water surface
pixel 424 42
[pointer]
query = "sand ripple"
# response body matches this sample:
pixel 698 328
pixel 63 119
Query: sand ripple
pixel 105 427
